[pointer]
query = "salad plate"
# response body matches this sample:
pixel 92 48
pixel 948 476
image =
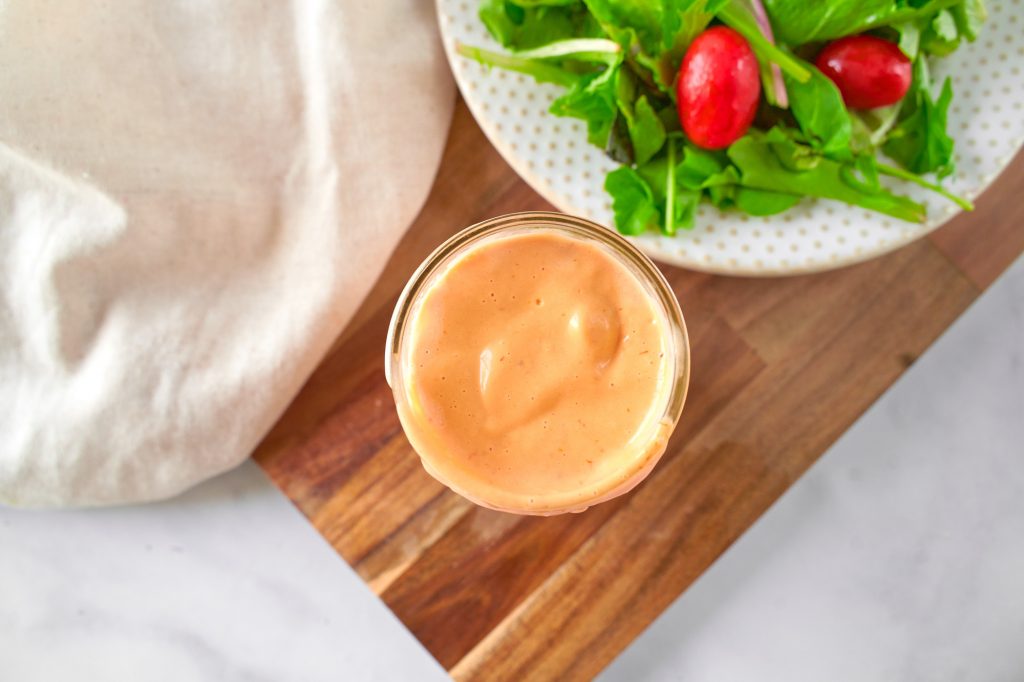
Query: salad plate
pixel 552 154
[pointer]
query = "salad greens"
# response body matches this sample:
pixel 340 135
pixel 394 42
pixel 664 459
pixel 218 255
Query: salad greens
pixel 618 61
pixel 919 141
pixel 798 22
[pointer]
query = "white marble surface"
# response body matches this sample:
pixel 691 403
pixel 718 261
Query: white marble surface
pixel 898 556
pixel 228 582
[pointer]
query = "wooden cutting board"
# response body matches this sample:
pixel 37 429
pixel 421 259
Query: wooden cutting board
pixel 781 368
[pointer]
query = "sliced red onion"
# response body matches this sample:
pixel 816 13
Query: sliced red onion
pixel 778 84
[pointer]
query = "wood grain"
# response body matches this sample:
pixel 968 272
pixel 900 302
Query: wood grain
pixel 984 242
pixel 780 369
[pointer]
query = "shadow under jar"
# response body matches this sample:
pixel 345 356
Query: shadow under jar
pixel 539 363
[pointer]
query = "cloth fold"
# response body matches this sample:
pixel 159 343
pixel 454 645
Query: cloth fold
pixel 194 198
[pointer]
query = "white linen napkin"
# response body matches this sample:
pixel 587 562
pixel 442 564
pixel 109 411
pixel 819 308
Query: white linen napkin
pixel 194 198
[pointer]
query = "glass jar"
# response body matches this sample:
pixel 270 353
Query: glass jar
pixel 398 363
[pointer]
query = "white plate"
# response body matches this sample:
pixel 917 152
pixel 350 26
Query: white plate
pixel 552 154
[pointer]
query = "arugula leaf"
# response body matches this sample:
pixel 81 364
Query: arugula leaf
pixel 592 99
pixel 653 33
pixel 643 18
pixel 710 172
pixel 598 50
pixel 546 64
pixel 658 25
pixel 871 168
pixel 723 195
pixel 818 108
pixel 969 16
pixel 895 172
pixel 644 126
pixel 909 38
pixel 684 20
pixel 646 130
pixel 919 141
pixel 797 22
pixel 590 95
pixel 941 36
pixel 942 31
pixel 677 205
pixel 945 26
pixel 791 153
pixel 632 201
pixel 698 166
pixel 756 156
pixel 871 126
pixel 671 218
pixel 522 24
pixel 542 71
pixel 759 202
pixel 654 195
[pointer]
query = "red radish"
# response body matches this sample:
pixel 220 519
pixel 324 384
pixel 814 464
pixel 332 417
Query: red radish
pixel 869 72
pixel 718 89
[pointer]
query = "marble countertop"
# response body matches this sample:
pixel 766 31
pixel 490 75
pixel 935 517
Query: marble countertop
pixel 227 582
pixel 898 556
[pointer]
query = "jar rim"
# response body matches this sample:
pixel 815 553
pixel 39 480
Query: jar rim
pixel 621 248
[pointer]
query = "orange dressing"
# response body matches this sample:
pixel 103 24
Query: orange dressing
pixel 537 371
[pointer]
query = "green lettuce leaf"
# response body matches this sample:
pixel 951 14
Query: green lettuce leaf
pixel 644 126
pixel 592 99
pixel 969 16
pixel 941 35
pixel 796 22
pixel 818 108
pixel 524 24
pixel 590 94
pixel 757 156
pixel 677 204
pixel 909 41
pixel 940 32
pixel 919 141
pixel 654 34
pixel 698 166
pixel 632 202
pixel 653 196
pixel 759 202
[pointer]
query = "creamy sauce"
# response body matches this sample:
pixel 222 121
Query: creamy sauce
pixel 538 370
